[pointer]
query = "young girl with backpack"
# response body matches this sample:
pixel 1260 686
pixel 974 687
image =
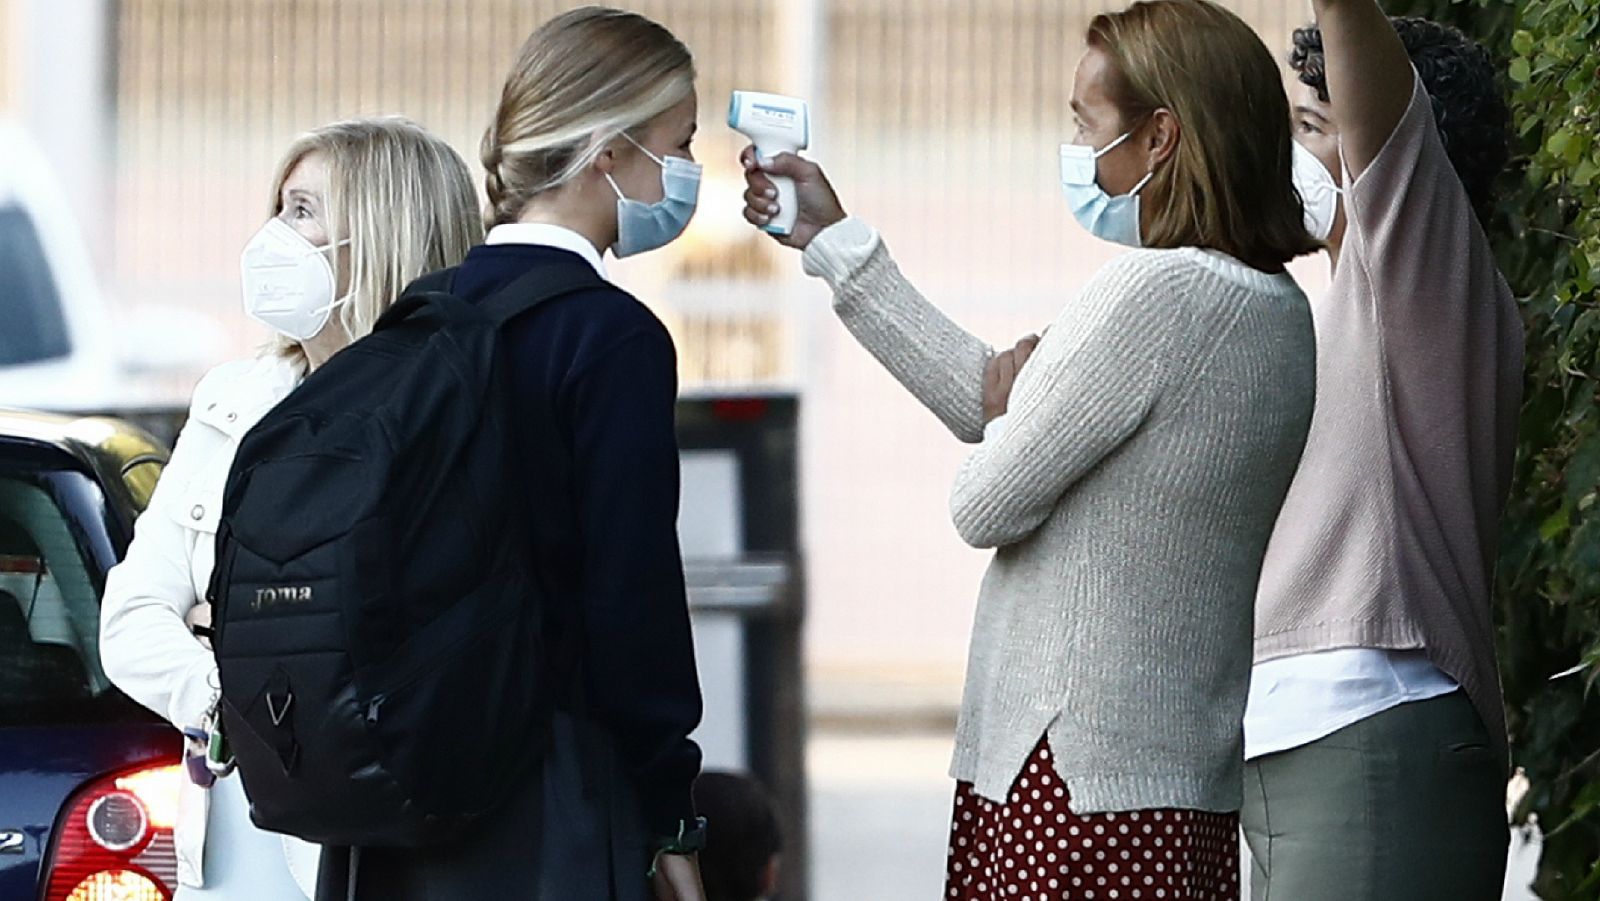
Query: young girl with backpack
pixel 588 152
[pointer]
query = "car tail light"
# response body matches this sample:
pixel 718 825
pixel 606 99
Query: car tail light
pixel 115 843
pixel 118 885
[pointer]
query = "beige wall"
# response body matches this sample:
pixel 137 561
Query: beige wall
pixel 930 110
pixel 7 59
pixel 210 92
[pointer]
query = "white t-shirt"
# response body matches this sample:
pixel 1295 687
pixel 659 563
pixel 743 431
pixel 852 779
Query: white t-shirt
pixel 1297 700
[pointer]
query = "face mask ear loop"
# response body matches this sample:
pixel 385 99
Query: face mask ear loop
pixel 613 182
pixel 323 248
pixel 1336 191
pixel 1142 182
pixel 1329 185
pixel 332 306
pixel 645 150
pixel 339 301
pixel 1113 145
pixel 315 249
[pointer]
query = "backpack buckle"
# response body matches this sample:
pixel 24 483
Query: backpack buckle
pixel 279 699
pixel 278 713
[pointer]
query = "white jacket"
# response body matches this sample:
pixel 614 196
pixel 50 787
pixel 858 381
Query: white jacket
pixel 145 647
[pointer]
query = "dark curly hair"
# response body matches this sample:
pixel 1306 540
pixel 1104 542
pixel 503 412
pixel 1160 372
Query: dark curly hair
pixel 1469 107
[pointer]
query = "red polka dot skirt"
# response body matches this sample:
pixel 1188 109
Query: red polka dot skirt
pixel 1032 848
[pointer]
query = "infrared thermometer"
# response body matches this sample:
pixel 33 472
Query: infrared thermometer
pixel 775 124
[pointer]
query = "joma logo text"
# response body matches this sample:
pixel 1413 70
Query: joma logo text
pixel 272 597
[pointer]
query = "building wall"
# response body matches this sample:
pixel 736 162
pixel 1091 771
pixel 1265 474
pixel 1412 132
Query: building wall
pixel 8 57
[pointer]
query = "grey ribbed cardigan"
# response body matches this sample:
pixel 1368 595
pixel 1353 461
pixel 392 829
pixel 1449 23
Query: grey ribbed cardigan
pixel 1149 444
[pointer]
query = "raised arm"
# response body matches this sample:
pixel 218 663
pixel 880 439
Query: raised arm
pixel 1370 77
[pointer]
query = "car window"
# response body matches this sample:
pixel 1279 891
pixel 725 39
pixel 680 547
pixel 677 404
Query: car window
pixel 35 327
pixel 49 599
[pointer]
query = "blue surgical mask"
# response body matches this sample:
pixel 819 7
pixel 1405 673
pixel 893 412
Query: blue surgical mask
pixel 646 226
pixel 1109 218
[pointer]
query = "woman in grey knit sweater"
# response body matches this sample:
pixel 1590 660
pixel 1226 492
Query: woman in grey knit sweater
pixel 1129 482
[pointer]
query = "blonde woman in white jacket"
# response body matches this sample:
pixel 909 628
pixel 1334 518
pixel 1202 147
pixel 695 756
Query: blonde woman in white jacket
pixel 359 209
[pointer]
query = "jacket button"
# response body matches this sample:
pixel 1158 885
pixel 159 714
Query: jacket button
pixel 232 416
pixel 198 512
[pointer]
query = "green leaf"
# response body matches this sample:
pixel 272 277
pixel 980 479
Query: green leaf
pixel 1520 72
pixel 1592 661
pixel 1583 471
pixel 1522 43
pixel 1585 173
pixel 1556 524
pixel 1587 801
pixel 1591 882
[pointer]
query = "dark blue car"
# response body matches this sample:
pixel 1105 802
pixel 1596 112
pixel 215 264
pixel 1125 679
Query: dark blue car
pixel 88 779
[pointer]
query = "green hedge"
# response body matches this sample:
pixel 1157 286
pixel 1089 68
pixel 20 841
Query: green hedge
pixel 1546 230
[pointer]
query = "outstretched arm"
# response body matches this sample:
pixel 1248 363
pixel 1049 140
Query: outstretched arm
pixel 1370 77
pixel 940 363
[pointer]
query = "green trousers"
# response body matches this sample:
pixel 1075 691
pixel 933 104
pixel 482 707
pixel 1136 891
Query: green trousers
pixel 1407 805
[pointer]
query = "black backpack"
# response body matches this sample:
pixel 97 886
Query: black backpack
pixel 377 621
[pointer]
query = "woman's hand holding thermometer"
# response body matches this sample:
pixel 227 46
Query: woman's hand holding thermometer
pixel 776 124
pixel 786 196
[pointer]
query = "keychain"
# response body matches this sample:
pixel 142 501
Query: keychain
pixel 219 757
pixel 194 757
pixel 206 755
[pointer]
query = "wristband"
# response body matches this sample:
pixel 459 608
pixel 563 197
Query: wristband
pixel 691 839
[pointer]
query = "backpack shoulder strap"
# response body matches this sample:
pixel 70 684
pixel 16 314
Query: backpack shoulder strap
pixel 425 291
pixel 440 281
pixel 536 287
pixel 435 290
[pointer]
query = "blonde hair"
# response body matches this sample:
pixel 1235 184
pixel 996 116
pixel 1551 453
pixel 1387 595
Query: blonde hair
pixel 1228 185
pixel 580 80
pixel 403 198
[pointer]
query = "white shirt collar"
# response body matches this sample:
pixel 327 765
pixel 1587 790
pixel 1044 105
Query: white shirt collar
pixel 547 235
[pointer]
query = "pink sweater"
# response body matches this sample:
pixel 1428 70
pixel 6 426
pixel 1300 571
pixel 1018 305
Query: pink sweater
pixel 1388 536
